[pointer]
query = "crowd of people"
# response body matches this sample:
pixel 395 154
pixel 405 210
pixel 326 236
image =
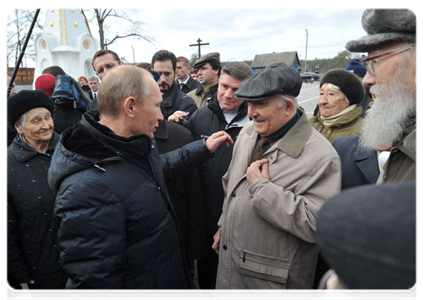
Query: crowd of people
pixel 213 177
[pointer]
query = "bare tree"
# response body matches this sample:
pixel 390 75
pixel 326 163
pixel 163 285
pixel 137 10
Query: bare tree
pixel 128 23
pixel 18 23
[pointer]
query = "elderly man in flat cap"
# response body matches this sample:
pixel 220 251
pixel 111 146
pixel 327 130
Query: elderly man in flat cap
pixel 208 75
pixel 33 255
pixel 391 65
pixel 281 173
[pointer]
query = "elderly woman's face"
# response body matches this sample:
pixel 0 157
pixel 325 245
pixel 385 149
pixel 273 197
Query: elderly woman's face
pixel 38 126
pixel 331 102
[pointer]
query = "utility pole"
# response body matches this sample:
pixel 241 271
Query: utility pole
pixel 305 66
pixel 199 44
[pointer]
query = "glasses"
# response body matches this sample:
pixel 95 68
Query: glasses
pixel 368 62
pixel 108 67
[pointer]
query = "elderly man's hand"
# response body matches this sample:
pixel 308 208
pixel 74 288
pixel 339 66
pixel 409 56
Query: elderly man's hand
pixel 258 170
pixel 176 117
pixel 217 139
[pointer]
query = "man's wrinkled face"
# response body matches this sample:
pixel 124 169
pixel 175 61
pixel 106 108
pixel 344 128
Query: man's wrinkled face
pixel 228 85
pixel 167 75
pixel 268 117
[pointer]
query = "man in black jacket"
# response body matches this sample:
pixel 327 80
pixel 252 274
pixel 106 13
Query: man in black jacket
pixel 117 225
pixel 184 80
pixel 164 62
pixel 226 113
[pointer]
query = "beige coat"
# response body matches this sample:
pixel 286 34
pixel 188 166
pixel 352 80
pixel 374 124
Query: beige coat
pixel 268 229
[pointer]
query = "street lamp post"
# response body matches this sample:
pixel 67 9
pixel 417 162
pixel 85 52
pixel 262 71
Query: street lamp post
pixel 305 65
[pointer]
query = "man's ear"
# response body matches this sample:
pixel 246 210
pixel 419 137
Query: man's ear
pixel 290 107
pixel 129 106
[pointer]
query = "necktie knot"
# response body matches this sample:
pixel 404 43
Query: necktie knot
pixel 260 149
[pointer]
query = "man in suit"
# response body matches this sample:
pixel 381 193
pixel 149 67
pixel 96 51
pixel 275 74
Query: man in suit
pixel 359 166
pixel 94 85
pixel 185 82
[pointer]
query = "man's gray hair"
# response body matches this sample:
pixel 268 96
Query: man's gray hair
pixel 93 78
pixel 282 99
pixel 237 70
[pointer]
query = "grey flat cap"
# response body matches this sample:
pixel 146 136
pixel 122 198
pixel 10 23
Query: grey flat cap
pixel 271 81
pixel 211 58
pixel 385 25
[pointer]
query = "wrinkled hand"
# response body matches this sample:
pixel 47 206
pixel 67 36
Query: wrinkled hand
pixel 258 170
pixel 176 116
pixel 216 239
pixel 218 139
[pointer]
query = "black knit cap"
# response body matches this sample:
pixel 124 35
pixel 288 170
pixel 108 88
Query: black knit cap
pixel 349 84
pixel 24 101
pixel 274 80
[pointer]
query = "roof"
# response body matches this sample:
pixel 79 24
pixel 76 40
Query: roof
pixel 263 60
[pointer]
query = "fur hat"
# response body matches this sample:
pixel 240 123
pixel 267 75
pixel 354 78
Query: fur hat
pixel 349 84
pixel 357 67
pixel 24 101
pixel 384 26
pixel 46 83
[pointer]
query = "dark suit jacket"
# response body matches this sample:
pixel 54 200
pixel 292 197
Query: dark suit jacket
pixel 358 167
pixel 191 84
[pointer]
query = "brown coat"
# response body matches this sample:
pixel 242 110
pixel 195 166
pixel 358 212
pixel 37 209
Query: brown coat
pixel 347 125
pixel 401 165
pixel 268 229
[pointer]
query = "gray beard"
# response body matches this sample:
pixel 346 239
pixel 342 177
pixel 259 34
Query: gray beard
pixel 392 112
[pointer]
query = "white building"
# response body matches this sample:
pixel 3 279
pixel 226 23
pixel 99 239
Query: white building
pixel 66 42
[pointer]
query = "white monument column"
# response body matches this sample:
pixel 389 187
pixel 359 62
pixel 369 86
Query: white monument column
pixel 66 42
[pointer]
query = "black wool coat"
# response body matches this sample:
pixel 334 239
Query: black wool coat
pixel 206 121
pixel 32 250
pixel 184 191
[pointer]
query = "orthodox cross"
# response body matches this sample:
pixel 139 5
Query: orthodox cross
pixel 199 44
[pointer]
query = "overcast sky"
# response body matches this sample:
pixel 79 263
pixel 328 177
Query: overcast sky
pixel 240 34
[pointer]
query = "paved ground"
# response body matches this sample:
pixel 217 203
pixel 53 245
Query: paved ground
pixel 308 97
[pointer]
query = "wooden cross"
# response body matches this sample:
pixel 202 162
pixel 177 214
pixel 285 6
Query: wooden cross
pixel 199 44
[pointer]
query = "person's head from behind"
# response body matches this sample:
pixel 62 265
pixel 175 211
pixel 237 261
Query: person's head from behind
pixel 31 114
pixel 54 70
pixel 130 96
pixel 144 65
pixel 357 67
pixel 93 83
pixel 271 98
pixel 338 90
pixel 208 68
pixel 182 68
pixel 105 60
pixel 232 75
pixel 164 62
pixel 391 74
pixel 13 89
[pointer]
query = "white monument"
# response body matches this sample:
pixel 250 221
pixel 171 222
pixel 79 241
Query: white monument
pixel 66 42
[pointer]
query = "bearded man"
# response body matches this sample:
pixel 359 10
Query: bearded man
pixel 164 62
pixel 391 74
